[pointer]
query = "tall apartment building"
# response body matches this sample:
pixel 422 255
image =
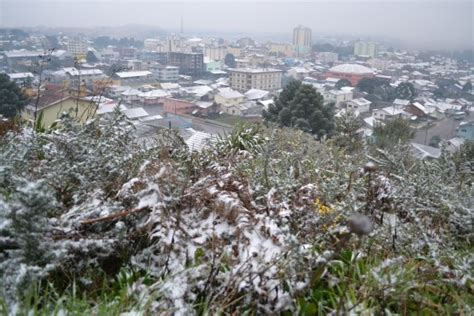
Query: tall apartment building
pixel 77 47
pixel 244 79
pixel 366 49
pixel 188 63
pixel 302 39
pixel 215 53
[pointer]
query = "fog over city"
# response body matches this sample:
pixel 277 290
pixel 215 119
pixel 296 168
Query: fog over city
pixel 420 24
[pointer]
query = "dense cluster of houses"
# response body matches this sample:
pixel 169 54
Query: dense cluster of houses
pixel 184 82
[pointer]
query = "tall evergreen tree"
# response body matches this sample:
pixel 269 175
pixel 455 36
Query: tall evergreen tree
pixel 300 106
pixel 12 99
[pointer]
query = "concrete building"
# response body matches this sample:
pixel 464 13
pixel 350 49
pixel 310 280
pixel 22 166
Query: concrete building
pixel 167 73
pixel 365 49
pixel 360 105
pixel 226 98
pixel 215 53
pixel 77 47
pixel 280 49
pixel 188 63
pixel 352 72
pixel 302 40
pixel 21 79
pixel 243 79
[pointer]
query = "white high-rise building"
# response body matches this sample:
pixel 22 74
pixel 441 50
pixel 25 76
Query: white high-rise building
pixel 302 40
pixel 366 49
pixel 77 47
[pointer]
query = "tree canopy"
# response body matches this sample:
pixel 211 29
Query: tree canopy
pixel 12 99
pixel 406 91
pixel 342 83
pixel 229 60
pixel 300 106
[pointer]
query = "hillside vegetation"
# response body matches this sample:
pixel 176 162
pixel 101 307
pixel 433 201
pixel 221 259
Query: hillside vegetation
pixel 263 221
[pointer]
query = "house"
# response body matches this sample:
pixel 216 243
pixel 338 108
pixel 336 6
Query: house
pixel 54 101
pixel 389 113
pixel 360 105
pixel 205 108
pixel 338 96
pixel 133 77
pixel 227 97
pixel 466 130
pixel 131 95
pixel 135 113
pixel 416 109
pixel 21 79
pixel 178 107
pixel 298 73
pixel 155 96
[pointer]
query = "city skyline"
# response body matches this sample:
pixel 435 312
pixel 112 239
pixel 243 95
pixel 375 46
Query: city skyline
pixel 439 25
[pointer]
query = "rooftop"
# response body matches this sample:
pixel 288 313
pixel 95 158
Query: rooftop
pixel 352 69
pixel 132 74
pixel 254 70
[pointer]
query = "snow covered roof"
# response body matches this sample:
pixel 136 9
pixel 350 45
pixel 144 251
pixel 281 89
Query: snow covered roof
pixel 157 93
pixel 131 92
pixel 420 107
pixel 228 93
pixel 422 151
pixel 401 102
pixel 169 85
pixel 198 90
pixel 361 101
pixel 198 140
pixel 132 74
pixel 20 75
pixel 266 103
pixel 255 94
pixel 82 72
pixel 204 105
pixel 352 69
pixel 391 110
pixel 135 113
pixel 254 70
pixel 22 53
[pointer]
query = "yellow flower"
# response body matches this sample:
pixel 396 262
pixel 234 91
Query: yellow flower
pixel 321 208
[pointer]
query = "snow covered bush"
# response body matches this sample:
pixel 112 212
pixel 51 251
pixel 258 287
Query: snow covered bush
pixel 264 221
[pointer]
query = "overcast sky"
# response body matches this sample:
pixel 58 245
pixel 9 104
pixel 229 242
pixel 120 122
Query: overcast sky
pixel 434 24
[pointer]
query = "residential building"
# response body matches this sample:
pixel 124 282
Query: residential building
pixel 167 73
pixel 337 96
pixel 302 40
pixel 21 79
pixel 226 97
pixel 177 106
pixel 211 65
pixel 280 49
pixel 188 63
pixel 215 53
pixel 365 49
pixel 77 47
pixel 361 105
pixel 133 77
pixel 243 79
pixel 54 102
pixel 389 113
